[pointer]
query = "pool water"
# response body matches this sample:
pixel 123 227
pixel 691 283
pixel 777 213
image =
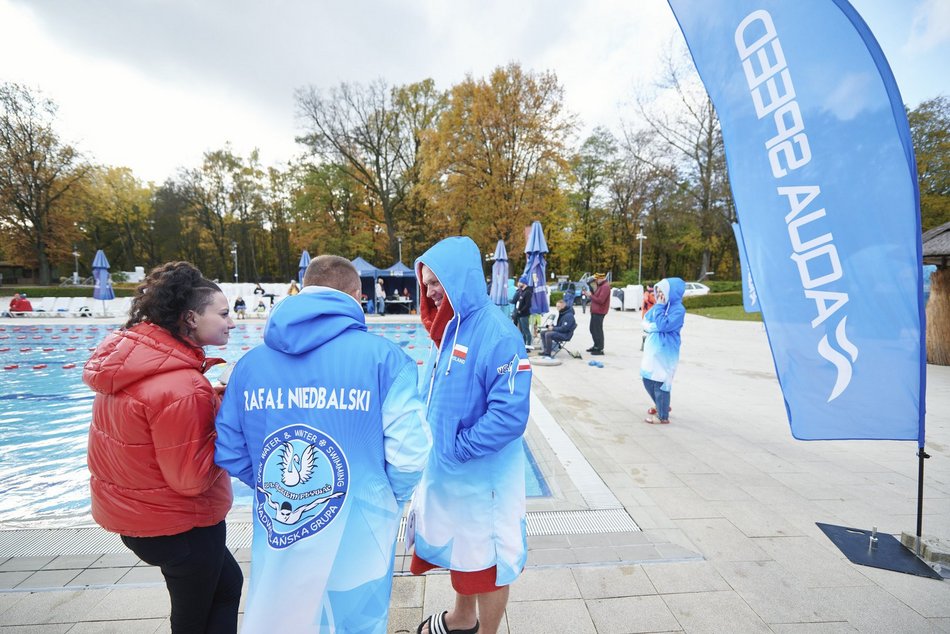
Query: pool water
pixel 45 410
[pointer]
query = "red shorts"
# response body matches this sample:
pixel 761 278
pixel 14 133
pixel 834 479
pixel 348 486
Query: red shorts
pixel 477 582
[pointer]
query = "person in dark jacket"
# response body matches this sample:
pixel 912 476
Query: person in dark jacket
pixel 563 330
pixel 522 310
pixel 151 444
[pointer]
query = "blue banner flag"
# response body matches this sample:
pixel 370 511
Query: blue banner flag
pixel 825 183
pixel 750 299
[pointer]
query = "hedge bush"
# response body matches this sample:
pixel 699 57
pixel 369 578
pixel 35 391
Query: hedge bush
pixel 733 298
pixel 62 291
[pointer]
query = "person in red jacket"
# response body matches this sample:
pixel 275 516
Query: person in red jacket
pixel 20 304
pixel 151 444
pixel 599 305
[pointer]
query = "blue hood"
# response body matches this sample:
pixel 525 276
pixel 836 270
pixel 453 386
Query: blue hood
pixel 303 322
pixel 457 263
pixel 673 288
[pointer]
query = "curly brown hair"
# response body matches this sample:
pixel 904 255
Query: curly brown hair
pixel 168 293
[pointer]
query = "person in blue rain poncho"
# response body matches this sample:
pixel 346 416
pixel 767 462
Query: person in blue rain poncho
pixel 661 349
pixel 469 510
pixel 325 424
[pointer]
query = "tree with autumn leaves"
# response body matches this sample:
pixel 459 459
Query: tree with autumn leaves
pixel 403 166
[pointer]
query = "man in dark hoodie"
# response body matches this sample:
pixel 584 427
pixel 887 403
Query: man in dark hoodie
pixel 563 330
pixel 522 311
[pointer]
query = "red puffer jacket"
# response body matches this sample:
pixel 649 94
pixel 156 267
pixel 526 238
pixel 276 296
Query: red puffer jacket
pixel 151 442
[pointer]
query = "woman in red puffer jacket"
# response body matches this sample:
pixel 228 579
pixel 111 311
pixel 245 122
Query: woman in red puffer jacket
pixel 151 444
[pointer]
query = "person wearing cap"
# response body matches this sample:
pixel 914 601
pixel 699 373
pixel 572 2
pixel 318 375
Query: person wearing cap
pixel 522 311
pixel 468 513
pixel 599 305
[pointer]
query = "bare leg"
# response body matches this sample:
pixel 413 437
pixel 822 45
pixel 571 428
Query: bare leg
pixel 491 608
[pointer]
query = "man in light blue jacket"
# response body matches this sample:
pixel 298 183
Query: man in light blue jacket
pixel 469 510
pixel 324 422
pixel 661 350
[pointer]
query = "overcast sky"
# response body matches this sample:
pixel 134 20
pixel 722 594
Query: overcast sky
pixel 152 84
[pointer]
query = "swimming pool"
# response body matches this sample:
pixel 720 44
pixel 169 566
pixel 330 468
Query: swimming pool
pixel 45 411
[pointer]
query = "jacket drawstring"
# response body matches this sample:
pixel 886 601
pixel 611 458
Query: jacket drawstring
pixel 455 338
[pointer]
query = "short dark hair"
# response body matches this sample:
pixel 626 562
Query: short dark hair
pixel 168 293
pixel 332 271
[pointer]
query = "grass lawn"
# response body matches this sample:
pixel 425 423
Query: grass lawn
pixel 735 313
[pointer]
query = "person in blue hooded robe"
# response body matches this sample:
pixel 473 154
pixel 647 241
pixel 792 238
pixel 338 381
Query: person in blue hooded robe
pixel 469 510
pixel 324 422
pixel 661 348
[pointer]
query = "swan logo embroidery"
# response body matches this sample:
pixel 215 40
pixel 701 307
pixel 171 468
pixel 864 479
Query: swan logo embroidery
pixel 302 483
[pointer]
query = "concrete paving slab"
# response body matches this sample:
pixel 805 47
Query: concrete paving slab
pixel 17 564
pixel 48 579
pixel 812 628
pixel 134 626
pixel 545 585
pixel 632 614
pixel 774 594
pixel 68 562
pixel 812 563
pixel 543 617
pixel 604 582
pixel 872 609
pixel 408 592
pixel 723 611
pixel 685 577
pixel 133 602
pixel 928 597
pixel 45 608
pixel 719 540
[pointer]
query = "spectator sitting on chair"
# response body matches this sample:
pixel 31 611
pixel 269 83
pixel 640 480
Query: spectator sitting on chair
pixel 240 308
pixel 19 304
pixel 261 308
pixel 562 331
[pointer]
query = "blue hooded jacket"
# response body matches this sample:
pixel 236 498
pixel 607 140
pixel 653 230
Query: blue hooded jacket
pixel 324 422
pixel 469 509
pixel 662 324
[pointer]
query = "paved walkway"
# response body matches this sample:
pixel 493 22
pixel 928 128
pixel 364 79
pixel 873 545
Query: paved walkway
pixel 725 499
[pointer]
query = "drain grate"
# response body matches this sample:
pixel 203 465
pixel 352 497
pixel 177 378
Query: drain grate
pixel 580 522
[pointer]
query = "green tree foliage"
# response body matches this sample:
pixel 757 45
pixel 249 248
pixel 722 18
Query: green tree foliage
pixel 930 131
pixel 374 135
pixel 37 170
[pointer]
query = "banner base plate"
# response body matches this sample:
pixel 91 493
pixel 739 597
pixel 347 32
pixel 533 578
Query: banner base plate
pixel 889 554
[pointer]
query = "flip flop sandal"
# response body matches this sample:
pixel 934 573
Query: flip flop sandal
pixel 437 625
pixel 655 421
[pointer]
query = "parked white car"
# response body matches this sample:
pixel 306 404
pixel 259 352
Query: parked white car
pixel 695 288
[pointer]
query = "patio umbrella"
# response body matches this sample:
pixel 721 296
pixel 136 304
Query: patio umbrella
pixel 302 266
pixel 535 248
pixel 499 276
pixel 100 272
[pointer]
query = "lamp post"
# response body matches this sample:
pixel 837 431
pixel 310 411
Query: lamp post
pixel 234 255
pixel 76 271
pixel 641 238
pixel 399 240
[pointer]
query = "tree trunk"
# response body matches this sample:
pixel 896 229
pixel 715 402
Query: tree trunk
pixel 938 319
